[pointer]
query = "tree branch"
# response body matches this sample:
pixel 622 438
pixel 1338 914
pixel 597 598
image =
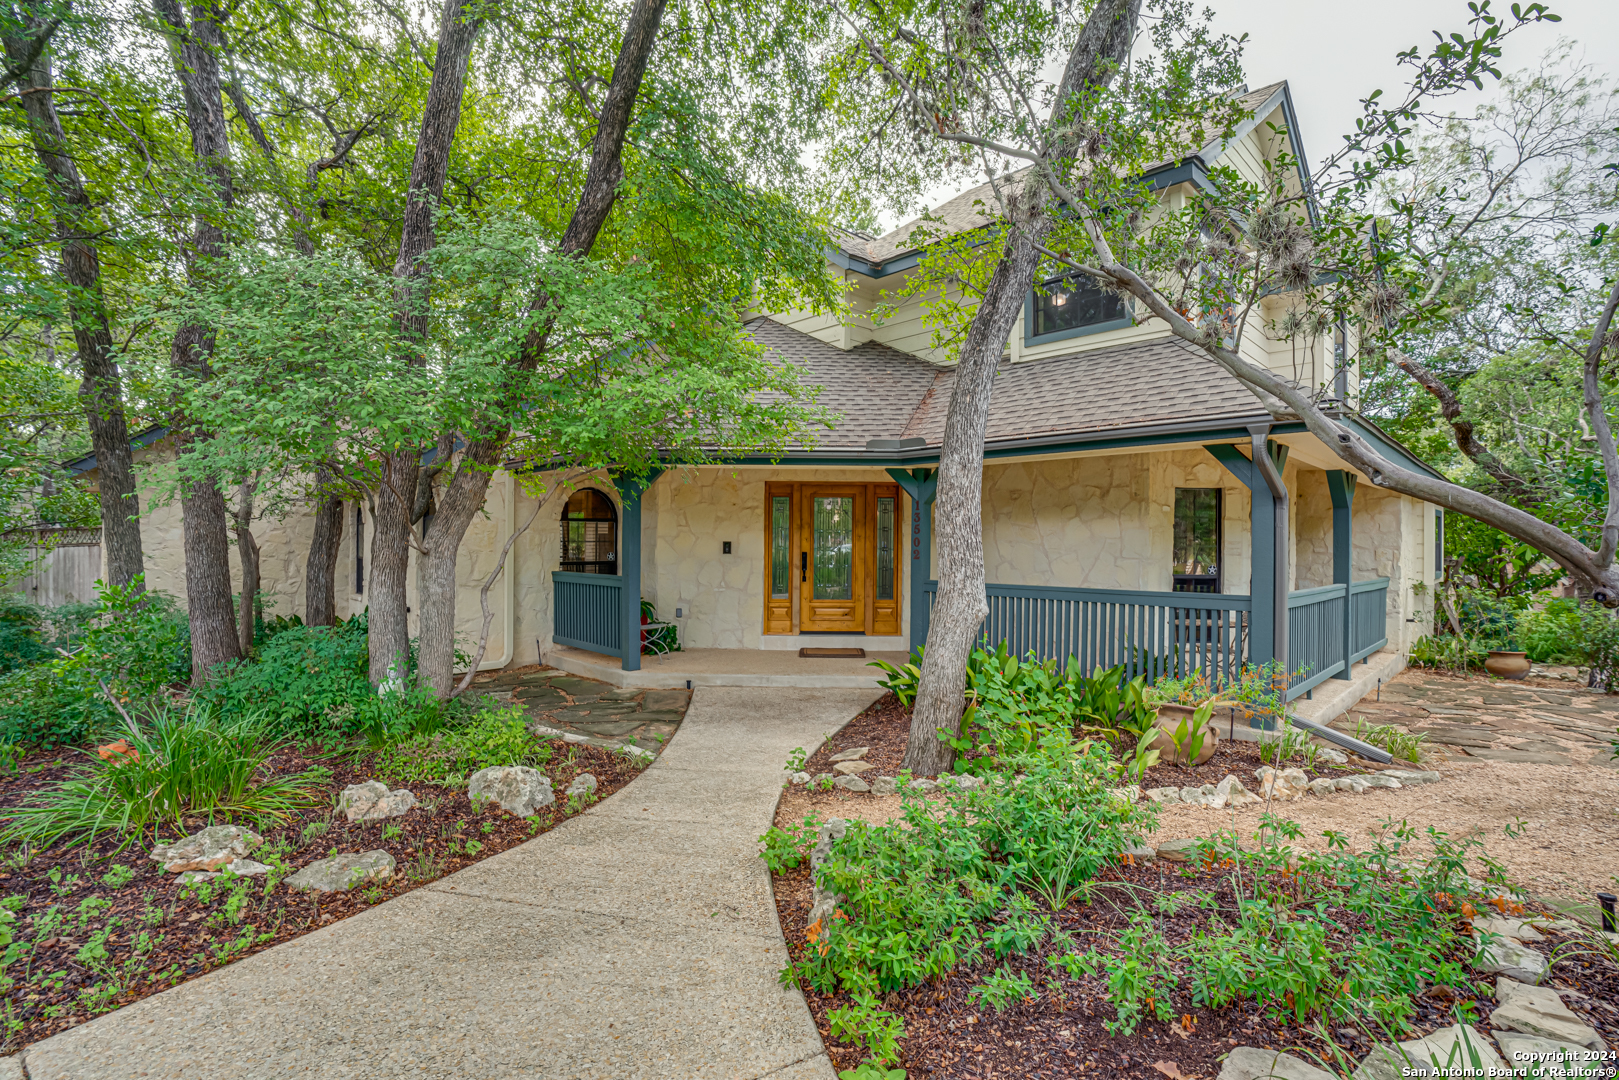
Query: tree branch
pixel 1603 431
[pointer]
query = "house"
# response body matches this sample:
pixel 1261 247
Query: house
pixel 1124 516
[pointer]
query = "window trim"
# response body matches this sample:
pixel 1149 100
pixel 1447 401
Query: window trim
pixel 1030 338
pixel 1219 544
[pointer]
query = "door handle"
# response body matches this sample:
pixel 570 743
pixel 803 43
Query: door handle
pixel 803 566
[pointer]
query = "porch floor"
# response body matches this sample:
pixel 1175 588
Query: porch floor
pixel 724 667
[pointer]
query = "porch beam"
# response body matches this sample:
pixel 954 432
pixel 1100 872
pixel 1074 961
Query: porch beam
pixel 1267 531
pixel 630 489
pixel 921 485
pixel 1341 483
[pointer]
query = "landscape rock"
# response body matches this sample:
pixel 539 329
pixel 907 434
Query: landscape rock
pixel 1235 794
pixel 1355 784
pixel 372 801
pixel 1527 1051
pixel 884 785
pixel 967 783
pixel 1383 780
pixel 1140 852
pixel 1512 959
pixel 1413 777
pixel 195 875
pixel 1279 786
pixel 823 777
pixel 1177 850
pixel 516 788
pixel 1539 1011
pixel 824 902
pixel 924 785
pixel 345 871
pixel 209 849
pixel 799 778
pixel 1163 794
pixel 1128 794
pixel 583 784
pixel 1332 754
pixel 852 768
pixel 853 754
pixel 247 868
pixel 1251 1063
pixel 1324 785
pixel 1194 797
pixel 851 783
pixel 1516 929
pixel 1454 1047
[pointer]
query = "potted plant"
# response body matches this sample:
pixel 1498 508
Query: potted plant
pixel 1507 661
pixel 1185 735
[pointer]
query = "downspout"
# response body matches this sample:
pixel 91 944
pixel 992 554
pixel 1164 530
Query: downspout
pixel 1258 434
pixel 509 616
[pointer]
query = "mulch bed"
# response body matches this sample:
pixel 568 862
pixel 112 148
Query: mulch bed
pixel 884 727
pixel 1062 1034
pixel 193 931
pixel 1239 759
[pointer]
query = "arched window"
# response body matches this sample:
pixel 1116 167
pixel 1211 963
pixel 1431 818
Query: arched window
pixel 590 533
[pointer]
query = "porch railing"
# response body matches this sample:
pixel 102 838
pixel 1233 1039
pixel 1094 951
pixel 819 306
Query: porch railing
pixel 1315 636
pixel 586 612
pixel 1369 605
pixel 1156 634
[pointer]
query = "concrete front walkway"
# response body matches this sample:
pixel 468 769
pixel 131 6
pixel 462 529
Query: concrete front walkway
pixel 638 939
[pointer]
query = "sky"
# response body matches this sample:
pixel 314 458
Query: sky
pixel 1334 54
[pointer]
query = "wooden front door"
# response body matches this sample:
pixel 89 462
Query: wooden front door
pixel 833 558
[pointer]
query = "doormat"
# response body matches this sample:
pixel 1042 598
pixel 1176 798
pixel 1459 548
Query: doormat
pixel 831 654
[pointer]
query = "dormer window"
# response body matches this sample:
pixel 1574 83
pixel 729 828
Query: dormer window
pixel 1072 305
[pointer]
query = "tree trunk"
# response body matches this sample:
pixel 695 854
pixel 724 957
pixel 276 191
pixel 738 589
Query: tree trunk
pixel 247 550
pixel 206 523
pixel 100 393
pixel 390 544
pixel 961 606
pixel 467 489
pixel 320 570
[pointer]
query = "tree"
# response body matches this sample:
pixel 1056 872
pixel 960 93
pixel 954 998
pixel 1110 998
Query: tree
pixel 969 77
pixel 27 38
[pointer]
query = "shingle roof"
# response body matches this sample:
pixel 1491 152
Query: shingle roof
pixel 972 209
pixel 882 393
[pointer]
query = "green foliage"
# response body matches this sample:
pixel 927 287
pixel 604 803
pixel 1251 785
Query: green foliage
pixel 663 639
pixel 870 1070
pixel 1001 990
pixel 309 680
pixel 1447 652
pixel 135 646
pixel 1140 979
pixel 902 681
pixel 1188 735
pixel 786 848
pixel 862 1023
pixel 1402 745
pixel 451 753
pixel 1599 647
pixel 1491 621
pixel 191 762
pixel 1552 634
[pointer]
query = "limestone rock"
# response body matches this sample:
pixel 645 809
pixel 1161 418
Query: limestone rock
pixel 824 902
pixel 924 785
pixel 1322 786
pixel 247 868
pixel 583 784
pixel 1251 1063
pixel 195 875
pixel 516 788
pixel 1279 786
pixel 1512 959
pixel 1516 929
pixel 1129 794
pixel 1178 850
pixel 209 849
pixel 346 871
pixel 1140 852
pixel 1539 1011
pixel 1235 794
pixel 962 782
pixel 823 777
pixel 1163 794
pixel 1454 1047
pixel 1413 777
pixel 852 768
pixel 884 785
pixel 356 799
pixel 1528 1051
pixel 851 783
pixel 1383 780
pixel 852 754
pixel 1332 754
pixel 799 778
pixel 1356 784
pixel 1295 777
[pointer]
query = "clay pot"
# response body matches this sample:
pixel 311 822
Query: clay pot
pixel 1508 665
pixel 1171 717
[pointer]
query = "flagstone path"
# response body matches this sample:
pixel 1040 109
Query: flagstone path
pixel 637 940
pixel 589 710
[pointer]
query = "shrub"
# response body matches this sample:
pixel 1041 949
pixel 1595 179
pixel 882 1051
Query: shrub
pixel 1552 634
pixel 1447 652
pixel 185 763
pixel 452 753
pixel 1599 647
pixel 1489 619
pixel 134 646
pixel 308 680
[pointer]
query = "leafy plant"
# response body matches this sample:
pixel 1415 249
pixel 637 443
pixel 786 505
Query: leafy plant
pixel 1447 652
pixel 1599 647
pixel 190 763
pixel 863 1024
pixel 1001 990
pixel 1405 745
pixel 1285 744
pixel 310 680
pixel 496 736
pixel 902 681
pixel 1188 735
pixel 1142 756
pixel 1552 634
pixel 785 848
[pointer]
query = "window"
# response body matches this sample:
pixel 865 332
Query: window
pixel 1438 544
pixel 1197 540
pixel 1072 304
pixel 590 533
pixel 885 549
pixel 781 516
pixel 359 550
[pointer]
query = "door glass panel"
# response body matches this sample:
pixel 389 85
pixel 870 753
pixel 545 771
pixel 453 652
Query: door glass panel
pixel 885 549
pixel 834 549
pixel 780 566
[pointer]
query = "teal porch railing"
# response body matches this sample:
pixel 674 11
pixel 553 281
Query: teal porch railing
pixel 1368 608
pixel 1330 628
pixel 1156 634
pixel 586 611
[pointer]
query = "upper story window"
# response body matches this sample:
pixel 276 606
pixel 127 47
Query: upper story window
pixel 590 533
pixel 1072 305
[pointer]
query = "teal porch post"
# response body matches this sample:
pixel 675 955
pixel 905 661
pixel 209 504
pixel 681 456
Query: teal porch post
pixel 921 485
pixel 630 490
pixel 1342 485
pixel 1267 588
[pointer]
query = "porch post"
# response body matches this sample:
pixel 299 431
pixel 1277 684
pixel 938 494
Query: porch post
pixel 630 490
pixel 1341 483
pixel 921 485
pixel 1267 529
